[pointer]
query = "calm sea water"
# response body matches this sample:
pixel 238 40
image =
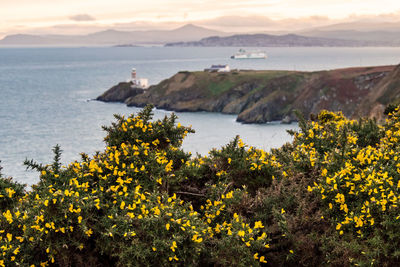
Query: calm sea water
pixel 44 93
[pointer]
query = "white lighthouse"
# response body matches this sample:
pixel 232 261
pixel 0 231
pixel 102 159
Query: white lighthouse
pixel 138 82
pixel 133 74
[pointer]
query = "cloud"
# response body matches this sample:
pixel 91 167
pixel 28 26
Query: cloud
pixel 82 17
pixel 240 21
pixel 257 23
pixel 390 17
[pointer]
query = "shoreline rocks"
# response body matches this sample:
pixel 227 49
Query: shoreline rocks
pixel 120 92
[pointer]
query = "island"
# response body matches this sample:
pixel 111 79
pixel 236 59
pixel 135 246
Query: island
pixel 260 96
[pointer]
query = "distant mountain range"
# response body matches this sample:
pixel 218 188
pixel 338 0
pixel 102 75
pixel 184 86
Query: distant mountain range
pixel 389 38
pixel 113 37
pixel 358 33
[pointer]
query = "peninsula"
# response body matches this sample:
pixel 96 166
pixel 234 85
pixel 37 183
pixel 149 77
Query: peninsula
pixel 264 96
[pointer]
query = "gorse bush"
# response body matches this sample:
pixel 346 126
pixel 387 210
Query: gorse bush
pixel 355 172
pixel 330 197
pixel 117 208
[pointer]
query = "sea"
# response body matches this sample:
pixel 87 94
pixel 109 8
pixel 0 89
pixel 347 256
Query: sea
pixel 46 96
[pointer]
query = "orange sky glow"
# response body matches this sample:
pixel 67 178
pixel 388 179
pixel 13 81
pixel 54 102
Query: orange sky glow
pixel 17 16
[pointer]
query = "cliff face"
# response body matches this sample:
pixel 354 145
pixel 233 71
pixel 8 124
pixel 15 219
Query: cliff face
pixel 262 96
pixel 387 91
pixel 340 90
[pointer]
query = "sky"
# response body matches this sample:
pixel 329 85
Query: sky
pixel 82 16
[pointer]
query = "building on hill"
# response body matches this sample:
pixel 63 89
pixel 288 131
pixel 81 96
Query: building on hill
pixel 138 82
pixel 218 68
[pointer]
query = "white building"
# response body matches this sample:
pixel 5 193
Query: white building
pixel 218 68
pixel 138 82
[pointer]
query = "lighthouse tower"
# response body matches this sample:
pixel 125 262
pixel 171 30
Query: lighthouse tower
pixel 138 82
pixel 133 74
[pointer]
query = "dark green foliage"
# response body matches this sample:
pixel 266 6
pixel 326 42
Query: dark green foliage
pixel 389 109
pixel 368 131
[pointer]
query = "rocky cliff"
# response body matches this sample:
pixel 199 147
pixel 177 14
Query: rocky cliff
pixel 262 96
pixel 120 93
pixel 386 92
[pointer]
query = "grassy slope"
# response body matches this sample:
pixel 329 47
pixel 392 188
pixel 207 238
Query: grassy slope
pixel 214 84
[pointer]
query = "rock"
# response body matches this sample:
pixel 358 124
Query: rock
pixel 120 93
pixel 286 120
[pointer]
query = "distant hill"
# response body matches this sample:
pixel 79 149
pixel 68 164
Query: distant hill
pixel 387 38
pixel 188 32
pixel 260 40
pixel 366 25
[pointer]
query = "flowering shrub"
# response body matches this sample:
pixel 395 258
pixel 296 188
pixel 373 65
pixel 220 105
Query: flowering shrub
pixel 117 208
pixel 330 197
pixel 356 174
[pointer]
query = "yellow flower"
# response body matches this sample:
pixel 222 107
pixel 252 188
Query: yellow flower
pixel 8 216
pixel 262 259
pixel 10 192
pixel 174 246
pixel 258 225
pixel 89 232
pixel 16 251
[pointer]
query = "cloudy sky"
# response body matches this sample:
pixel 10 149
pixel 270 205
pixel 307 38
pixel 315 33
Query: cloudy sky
pixel 81 16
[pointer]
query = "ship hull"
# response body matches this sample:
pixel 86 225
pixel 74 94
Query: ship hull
pixel 249 55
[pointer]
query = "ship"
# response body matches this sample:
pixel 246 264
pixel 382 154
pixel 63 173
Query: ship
pixel 243 54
